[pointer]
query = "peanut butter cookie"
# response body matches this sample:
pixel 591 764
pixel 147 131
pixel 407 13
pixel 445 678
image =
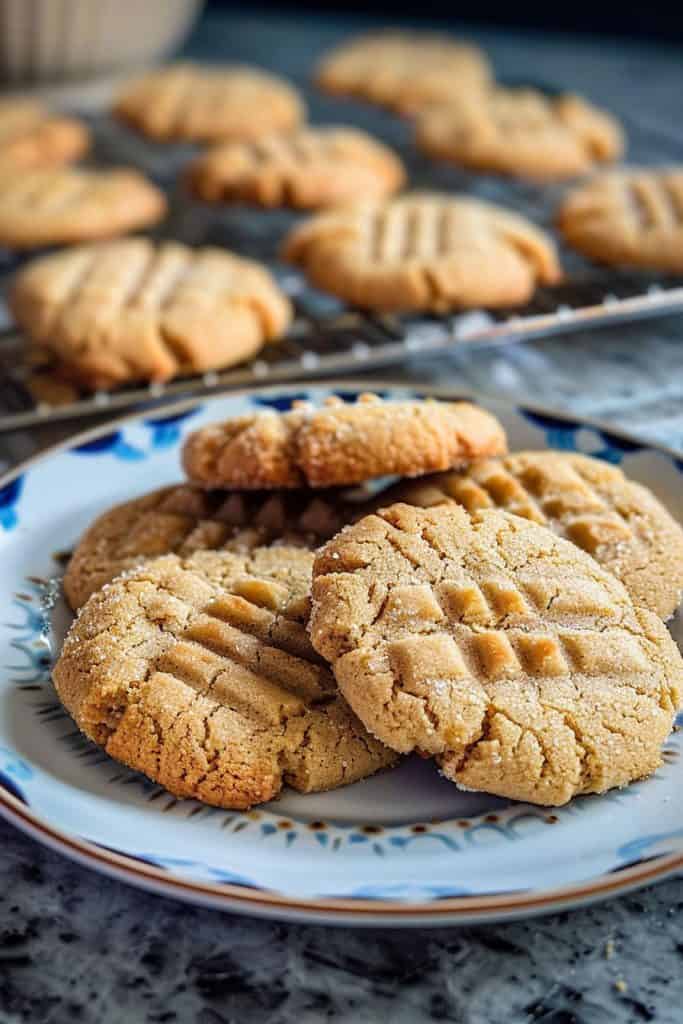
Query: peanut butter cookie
pixel 619 522
pixel 186 102
pixel 32 137
pixel 628 218
pixel 340 443
pixel 135 310
pixel 64 205
pixel 199 673
pixel 404 70
pixel 424 252
pixel 522 133
pixel 182 518
pixel 496 647
pixel 306 169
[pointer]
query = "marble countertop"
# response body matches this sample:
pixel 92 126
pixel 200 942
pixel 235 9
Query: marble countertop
pixel 78 947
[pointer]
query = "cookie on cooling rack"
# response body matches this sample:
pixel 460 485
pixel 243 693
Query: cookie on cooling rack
pixel 594 505
pixel 403 70
pixel 199 673
pixel 308 168
pixel 184 518
pixel 32 137
pixel 424 251
pixel 64 205
pixel 520 132
pixel 339 444
pixel 496 647
pixel 188 102
pixel 133 310
pixel 631 217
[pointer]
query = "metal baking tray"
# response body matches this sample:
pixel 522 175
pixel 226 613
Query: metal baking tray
pixel 327 337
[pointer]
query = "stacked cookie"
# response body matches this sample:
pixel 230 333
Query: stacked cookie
pixel 501 614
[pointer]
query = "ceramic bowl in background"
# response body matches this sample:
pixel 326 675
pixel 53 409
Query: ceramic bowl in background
pixel 52 40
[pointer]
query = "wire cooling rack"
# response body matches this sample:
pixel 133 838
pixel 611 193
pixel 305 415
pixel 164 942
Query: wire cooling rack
pixel 326 337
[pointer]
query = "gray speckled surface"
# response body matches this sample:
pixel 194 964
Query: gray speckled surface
pixel 77 947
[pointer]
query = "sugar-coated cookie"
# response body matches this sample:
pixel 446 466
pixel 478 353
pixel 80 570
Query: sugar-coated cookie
pixel 588 501
pixel 496 647
pixel 199 673
pixel 339 443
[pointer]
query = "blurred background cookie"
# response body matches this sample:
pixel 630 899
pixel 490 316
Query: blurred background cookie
pixel 424 251
pixel 133 310
pixel 305 169
pixel 520 132
pixel 31 136
pixel 69 204
pixel 631 217
pixel 194 103
pixel 403 70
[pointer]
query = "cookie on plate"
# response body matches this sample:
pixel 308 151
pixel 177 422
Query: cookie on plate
pixel 199 673
pixel 424 251
pixel 339 444
pixel 403 70
pixel 187 102
pixel 521 132
pixel 619 522
pixel 137 310
pixel 183 518
pixel 306 169
pixel 65 205
pixel 31 136
pixel 629 217
pixel 496 647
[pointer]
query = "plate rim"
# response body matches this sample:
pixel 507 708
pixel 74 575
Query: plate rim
pixel 360 912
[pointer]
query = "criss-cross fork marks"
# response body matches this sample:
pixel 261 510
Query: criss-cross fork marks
pixel 200 673
pixel 488 657
pixel 131 308
pixel 208 519
pixel 245 653
pixel 654 202
pixel 309 168
pixel 184 101
pixel 51 193
pixel 493 629
pixel 136 275
pixel 547 495
pixel 421 230
pixel 185 519
pixel 295 149
pixel 646 203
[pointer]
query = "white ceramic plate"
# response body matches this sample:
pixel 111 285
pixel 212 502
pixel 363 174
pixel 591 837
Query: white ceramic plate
pixel 405 847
